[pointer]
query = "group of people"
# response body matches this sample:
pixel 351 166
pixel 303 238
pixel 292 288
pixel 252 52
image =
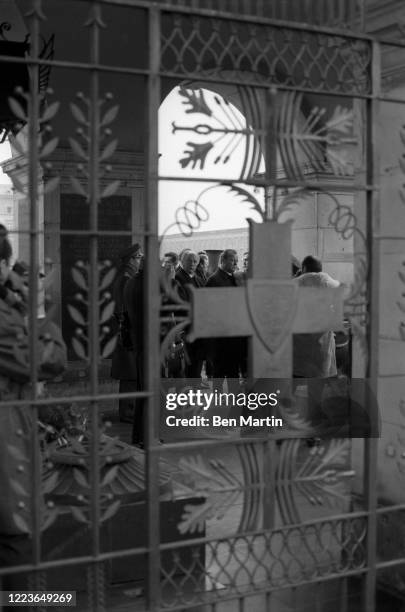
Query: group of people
pixel 221 357
pixel 217 358
pixel 314 357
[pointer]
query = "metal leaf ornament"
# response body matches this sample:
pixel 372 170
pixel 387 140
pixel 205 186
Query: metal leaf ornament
pixel 321 477
pixel 247 197
pixel 294 198
pixel 196 100
pixel 197 153
pixel 313 141
pixel 79 311
pixel 225 129
pixel 81 146
pixel 211 480
pixel 45 146
pixel 401 304
pixel 22 516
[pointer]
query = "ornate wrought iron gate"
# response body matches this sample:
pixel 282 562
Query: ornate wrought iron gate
pixel 252 517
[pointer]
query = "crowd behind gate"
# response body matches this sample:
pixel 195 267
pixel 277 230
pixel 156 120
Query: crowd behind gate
pixel 213 364
pixel 208 363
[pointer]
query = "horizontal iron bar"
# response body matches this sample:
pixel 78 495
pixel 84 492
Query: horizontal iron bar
pixel 389 43
pixel 313 185
pixel 389 509
pixel 390 563
pixel 171 307
pixel 192 76
pixel 165 547
pixel 90 66
pixel 241 17
pixel 377 237
pixel 208 597
pixel 95 233
pixel 204 443
pixel 74 232
pixel 394 375
pixel 88 559
pixel 104 68
pixel 262 533
pixel 294 526
pixel 390 99
pixel 48 401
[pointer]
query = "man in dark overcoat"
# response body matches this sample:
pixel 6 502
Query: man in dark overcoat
pixel 133 304
pixel 227 354
pixel 123 363
pixel 186 277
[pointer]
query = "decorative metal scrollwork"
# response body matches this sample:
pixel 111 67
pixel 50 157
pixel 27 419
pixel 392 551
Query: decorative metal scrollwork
pixel 193 213
pixel 226 129
pixel 284 557
pixel 205 47
pixel 313 142
pixel 319 478
pixel 318 474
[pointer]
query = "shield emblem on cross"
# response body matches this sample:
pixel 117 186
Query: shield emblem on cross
pixel 272 306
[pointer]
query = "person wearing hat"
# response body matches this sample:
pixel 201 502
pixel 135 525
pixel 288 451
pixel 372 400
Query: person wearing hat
pixel 123 366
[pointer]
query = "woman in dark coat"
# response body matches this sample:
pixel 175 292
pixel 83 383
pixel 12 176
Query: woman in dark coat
pixel 123 366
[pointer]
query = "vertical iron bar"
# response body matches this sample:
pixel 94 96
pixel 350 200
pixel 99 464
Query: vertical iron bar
pixel 259 8
pixel 373 212
pixel 344 594
pixel 318 594
pixel 283 6
pixel 308 14
pixel 270 458
pixel 338 13
pixel 271 138
pixel 33 162
pixel 362 15
pixel 318 16
pixel 93 191
pixel 151 309
pixel 294 598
